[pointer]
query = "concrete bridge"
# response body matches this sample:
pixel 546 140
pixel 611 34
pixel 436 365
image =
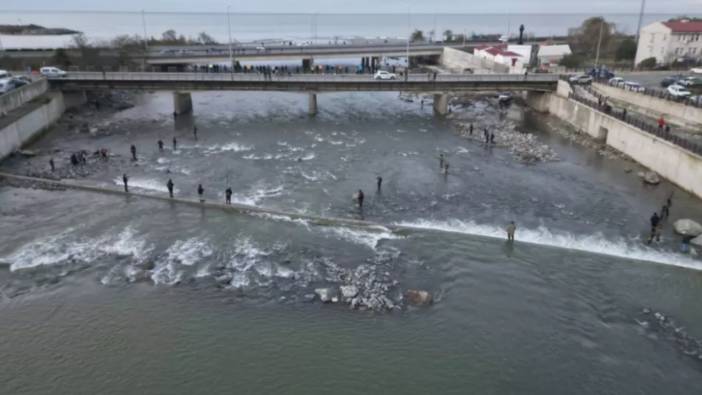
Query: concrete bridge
pixel 183 83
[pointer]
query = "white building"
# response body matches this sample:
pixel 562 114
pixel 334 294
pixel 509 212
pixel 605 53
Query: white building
pixel 550 55
pixel 500 54
pixel 667 41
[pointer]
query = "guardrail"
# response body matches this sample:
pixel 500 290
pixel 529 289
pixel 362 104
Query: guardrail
pixel 17 97
pixel 640 124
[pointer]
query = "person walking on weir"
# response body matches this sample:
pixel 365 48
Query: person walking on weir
pixel 511 228
pixel 228 196
pixel 133 149
pixel 661 123
pixel 125 180
pixel 169 185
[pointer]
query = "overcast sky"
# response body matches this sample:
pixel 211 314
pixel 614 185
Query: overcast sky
pixel 368 6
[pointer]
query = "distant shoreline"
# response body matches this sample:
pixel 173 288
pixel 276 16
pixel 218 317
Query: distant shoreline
pixel 35 30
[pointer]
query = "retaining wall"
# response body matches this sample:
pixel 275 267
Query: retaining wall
pixel 17 132
pixel 672 162
pixel 677 113
pixel 16 98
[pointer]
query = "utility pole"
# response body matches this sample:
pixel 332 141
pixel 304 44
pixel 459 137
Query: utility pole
pixel 146 41
pixel 229 29
pixel 409 36
pixel 638 27
pixel 599 42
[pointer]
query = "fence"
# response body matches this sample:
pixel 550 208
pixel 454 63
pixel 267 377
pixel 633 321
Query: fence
pixel 639 123
pixel 694 101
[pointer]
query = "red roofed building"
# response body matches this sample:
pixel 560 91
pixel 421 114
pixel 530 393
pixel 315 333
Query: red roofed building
pixel 500 54
pixel 671 40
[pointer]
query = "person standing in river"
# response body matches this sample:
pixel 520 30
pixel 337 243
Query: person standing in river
pixel 160 145
pixel 228 196
pixel 379 181
pixel 51 163
pixel 125 180
pixel 133 149
pixel 511 228
pixel 360 197
pixel 175 144
pixel 655 228
pixel 169 185
pixel 441 161
pixel 195 132
pixel 200 191
pixel 471 128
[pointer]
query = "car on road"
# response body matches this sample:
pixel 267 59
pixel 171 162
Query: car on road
pixel 615 81
pixel 633 86
pixel 670 80
pixel 4 74
pixel 582 79
pixel 678 91
pixel 52 72
pixel 384 75
pixel 17 83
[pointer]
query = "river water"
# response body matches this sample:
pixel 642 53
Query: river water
pixel 112 294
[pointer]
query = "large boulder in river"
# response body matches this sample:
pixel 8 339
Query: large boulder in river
pixel 325 294
pixel 650 177
pixel 687 227
pixel 418 297
pixel 348 292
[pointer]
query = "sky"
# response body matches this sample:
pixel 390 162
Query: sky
pixel 367 6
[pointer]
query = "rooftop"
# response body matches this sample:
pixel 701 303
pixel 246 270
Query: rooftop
pixel 684 26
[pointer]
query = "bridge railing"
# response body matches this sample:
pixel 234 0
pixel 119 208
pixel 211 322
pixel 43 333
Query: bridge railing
pixel 417 77
pixel 695 101
pixel 640 124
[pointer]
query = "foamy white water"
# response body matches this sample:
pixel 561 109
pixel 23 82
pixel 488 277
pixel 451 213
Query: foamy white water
pixel 597 243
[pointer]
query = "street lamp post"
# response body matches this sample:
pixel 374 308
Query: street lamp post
pixel 638 27
pixel 229 29
pixel 409 36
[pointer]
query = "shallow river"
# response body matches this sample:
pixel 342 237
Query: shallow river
pixel 113 294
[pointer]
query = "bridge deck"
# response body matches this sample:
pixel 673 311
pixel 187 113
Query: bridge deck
pixel 304 82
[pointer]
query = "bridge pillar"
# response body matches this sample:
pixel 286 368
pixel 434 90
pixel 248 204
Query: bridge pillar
pixel 182 102
pixel 440 104
pixel 538 101
pixel 312 104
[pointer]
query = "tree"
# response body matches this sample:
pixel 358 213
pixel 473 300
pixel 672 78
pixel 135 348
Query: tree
pixel 585 41
pixel 448 35
pixel 416 36
pixel 648 63
pixel 169 36
pixel 61 58
pixel 205 39
pixel 80 41
pixel 626 50
pixel 572 61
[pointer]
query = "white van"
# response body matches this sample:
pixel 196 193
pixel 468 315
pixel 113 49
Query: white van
pixel 52 72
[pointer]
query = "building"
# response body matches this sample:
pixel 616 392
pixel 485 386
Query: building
pixel 667 41
pixel 550 55
pixel 502 55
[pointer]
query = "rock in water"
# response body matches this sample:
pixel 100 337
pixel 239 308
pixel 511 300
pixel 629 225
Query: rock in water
pixel 418 297
pixel 687 227
pixel 325 294
pixel 651 178
pixel 697 241
pixel 348 291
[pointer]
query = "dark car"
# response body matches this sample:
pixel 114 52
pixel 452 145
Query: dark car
pixel 670 80
pixel 17 82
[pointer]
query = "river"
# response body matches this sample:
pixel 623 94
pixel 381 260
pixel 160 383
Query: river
pixel 110 294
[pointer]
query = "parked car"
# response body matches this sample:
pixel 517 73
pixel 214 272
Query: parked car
pixel 52 72
pixel 615 81
pixel 670 80
pixel 633 86
pixel 582 79
pixel 5 85
pixel 690 82
pixel 678 91
pixel 4 74
pixel 17 83
pixel 384 75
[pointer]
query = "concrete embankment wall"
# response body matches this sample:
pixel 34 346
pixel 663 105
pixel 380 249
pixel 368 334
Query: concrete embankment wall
pixel 16 98
pixel 458 61
pixel 677 113
pixel 18 129
pixel 674 163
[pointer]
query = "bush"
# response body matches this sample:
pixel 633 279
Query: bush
pixel 572 61
pixel 648 63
